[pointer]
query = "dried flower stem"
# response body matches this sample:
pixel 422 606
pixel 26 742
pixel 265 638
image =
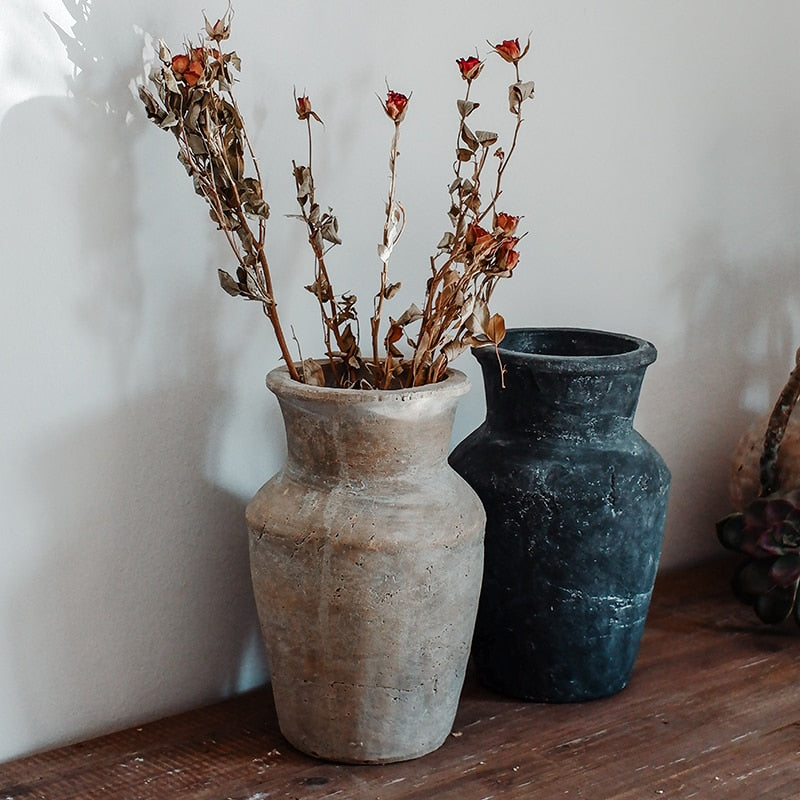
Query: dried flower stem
pixel 392 230
pixel 196 102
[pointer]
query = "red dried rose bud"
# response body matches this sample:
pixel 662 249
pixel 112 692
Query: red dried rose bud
pixel 220 30
pixel 506 222
pixel 507 256
pixel 303 107
pixel 195 71
pixel 476 238
pixel 509 50
pixel 469 67
pixel 180 64
pixel 395 105
pixel 189 67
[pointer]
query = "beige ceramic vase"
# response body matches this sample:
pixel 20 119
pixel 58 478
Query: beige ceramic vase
pixel 366 555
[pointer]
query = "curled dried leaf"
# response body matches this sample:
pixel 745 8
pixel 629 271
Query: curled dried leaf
pixel 446 242
pixel 411 314
pixel 453 350
pixel 228 283
pixel 466 107
pixel 517 94
pixel 391 290
pixel 313 374
pixel 468 137
pixel 486 138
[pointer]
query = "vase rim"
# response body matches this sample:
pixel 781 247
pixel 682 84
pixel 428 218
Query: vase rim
pixel 280 382
pixel 568 349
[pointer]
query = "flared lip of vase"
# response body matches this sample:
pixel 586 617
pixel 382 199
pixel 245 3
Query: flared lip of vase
pixel 281 383
pixel 571 350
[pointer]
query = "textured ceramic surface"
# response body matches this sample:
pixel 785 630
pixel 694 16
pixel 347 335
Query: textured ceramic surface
pixel 575 501
pixel 366 559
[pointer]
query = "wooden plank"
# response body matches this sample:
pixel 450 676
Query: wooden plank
pixel 713 710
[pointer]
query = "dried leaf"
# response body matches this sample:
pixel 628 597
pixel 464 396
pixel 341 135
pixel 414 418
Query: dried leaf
pixel 167 121
pixel 421 352
pixel 303 180
pixel 391 290
pixel 517 94
pixel 170 82
pixel 446 242
pixel 384 252
pixel 478 321
pixel 411 314
pixel 468 137
pixel 395 333
pixel 321 289
pixel 486 138
pixel 463 155
pixel 453 350
pixel 228 283
pixel 330 229
pixel 313 374
pixel 496 329
pixel 164 52
pixel 466 107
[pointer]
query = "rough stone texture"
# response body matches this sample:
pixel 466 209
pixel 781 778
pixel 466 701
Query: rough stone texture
pixel 575 502
pixel 745 480
pixel 366 559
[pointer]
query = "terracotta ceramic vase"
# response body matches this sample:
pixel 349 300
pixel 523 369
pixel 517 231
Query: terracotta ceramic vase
pixel 366 558
pixel 575 501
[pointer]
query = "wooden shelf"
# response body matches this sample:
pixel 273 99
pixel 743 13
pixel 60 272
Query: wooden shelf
pixel 712 710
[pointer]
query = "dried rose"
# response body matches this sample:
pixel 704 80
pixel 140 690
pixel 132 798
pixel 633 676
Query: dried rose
pixel 395 105
pixel 510 51
pixel 506 222
pixel 476 238
pixel 469 67
pixel 189 67
pixel 507 256
pixel 302 106
pixel 220 30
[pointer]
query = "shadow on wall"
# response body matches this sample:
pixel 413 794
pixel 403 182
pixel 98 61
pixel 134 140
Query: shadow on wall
pixel 740 336
pixel 143 593
pixel 138 599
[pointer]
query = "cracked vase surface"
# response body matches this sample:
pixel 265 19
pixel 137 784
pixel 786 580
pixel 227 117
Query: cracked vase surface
pixel 366 555
pixel 575 501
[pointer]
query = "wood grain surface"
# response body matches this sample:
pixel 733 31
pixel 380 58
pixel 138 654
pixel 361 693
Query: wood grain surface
pixel 712 711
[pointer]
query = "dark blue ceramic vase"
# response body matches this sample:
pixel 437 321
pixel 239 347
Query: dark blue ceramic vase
pixel 575 501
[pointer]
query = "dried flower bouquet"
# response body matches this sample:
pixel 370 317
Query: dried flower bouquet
pixel 194 100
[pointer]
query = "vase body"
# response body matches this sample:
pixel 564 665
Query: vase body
pixel 366 555
pixel 575 501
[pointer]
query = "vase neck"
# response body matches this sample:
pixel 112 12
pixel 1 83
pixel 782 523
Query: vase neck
pixel 343 435
pixel 544 404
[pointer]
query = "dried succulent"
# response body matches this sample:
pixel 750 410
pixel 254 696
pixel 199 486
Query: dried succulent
pixel 767 531
pixel 194 99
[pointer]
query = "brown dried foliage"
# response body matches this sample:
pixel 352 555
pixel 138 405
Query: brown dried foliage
pixel 194 100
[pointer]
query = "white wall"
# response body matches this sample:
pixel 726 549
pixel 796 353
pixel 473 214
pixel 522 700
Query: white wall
pixel 659 181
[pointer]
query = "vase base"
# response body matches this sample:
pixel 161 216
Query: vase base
pixel 555 696
pixel 351 753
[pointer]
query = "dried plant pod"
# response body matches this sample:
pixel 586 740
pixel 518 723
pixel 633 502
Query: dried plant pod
pixel 745 481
